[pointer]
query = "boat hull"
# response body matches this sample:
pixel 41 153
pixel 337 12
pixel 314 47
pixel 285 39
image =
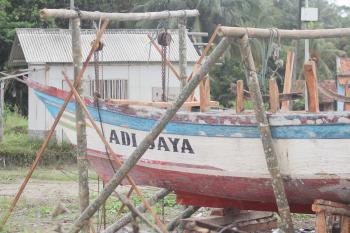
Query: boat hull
pixel 218 160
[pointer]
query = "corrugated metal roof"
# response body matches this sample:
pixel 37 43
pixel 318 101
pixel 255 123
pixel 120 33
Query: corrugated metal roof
pixel 55 46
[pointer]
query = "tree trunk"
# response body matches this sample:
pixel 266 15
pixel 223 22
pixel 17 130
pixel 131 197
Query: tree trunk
pixel 80 125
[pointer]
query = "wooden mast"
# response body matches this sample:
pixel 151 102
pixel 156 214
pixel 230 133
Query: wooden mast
pixel 266 137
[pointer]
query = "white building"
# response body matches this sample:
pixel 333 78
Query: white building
pixel 129 66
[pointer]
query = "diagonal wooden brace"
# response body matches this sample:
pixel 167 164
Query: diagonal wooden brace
pixel 111 152
pixel 53 127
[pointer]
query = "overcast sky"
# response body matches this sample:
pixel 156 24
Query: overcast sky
pixel 341 2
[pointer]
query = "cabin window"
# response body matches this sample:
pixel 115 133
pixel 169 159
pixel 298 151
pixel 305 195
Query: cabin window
pixel 109 89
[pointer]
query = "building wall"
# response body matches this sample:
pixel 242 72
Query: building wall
pixel 142 79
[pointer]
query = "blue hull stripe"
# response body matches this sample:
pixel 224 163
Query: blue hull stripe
pixel 329 131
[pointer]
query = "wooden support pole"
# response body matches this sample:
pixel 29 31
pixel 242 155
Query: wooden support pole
pixel 185 214
pixel 239 96
pixel 126 219
pixel 207 90
pixel 266 137
pixel 80 125
pixel 96 15
pixel 43 146
pixel 114 156
pixel 182 52
pixel 345 224
pixel 311 86
pixel 321 225
pixel 203 100
pixel 239 32
pixel 274 95
pixel 347 94
pixel 153 134
pixel 287 86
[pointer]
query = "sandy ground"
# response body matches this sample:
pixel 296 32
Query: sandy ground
pixel 41 196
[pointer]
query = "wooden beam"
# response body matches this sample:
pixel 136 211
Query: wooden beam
pixel 281 33
pixel 266 137
pixel 239 96
pixel 311 86
pixel 96 15
pixel 135 156
pixel 347 94
pixel 287 86
pixel 321 225
pixel 274 96
pixel 185 214
pixel 345 224
pixel 207 93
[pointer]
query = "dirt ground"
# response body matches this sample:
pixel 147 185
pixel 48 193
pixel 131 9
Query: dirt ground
pixel 50 186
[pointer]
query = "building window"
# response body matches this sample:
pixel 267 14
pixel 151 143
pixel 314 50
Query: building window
pixel 109 89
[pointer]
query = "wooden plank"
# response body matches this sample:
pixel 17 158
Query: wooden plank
pixel 157 104
pixel 203 96
pixel 239 96
pixel 347 94
pixel 311 86
pixel 287 86
pixel 345 224
pixel 321 226
pixel 274 96
pixel 329 209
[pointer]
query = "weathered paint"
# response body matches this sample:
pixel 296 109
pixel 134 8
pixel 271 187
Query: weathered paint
pixel 228 170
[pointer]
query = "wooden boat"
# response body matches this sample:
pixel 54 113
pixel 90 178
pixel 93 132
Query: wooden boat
pixel 216 158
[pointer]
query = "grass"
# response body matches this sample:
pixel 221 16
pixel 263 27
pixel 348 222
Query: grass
pixel 19 149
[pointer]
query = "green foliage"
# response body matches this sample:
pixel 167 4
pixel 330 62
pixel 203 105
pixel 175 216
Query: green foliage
pixel 18 148
pixel 222 78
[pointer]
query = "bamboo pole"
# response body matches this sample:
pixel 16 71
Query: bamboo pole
pixel 266 138
pixel 182 52
pixel 239 96
pixel 287 87
pixel 126 219
pixel 154 133
pixel 281 33
pixel 274 95
pixel 114 156
pixel 185 214
pixel 311 86
pixel 95 15
pixel 40 152
pixel 80 124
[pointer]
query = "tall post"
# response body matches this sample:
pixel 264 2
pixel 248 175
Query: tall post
pixel 266 137
pixel 80 124
pixel 182 51
pixel 2 103
pixel 71 6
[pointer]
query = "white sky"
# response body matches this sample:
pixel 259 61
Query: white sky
pixel 341 2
